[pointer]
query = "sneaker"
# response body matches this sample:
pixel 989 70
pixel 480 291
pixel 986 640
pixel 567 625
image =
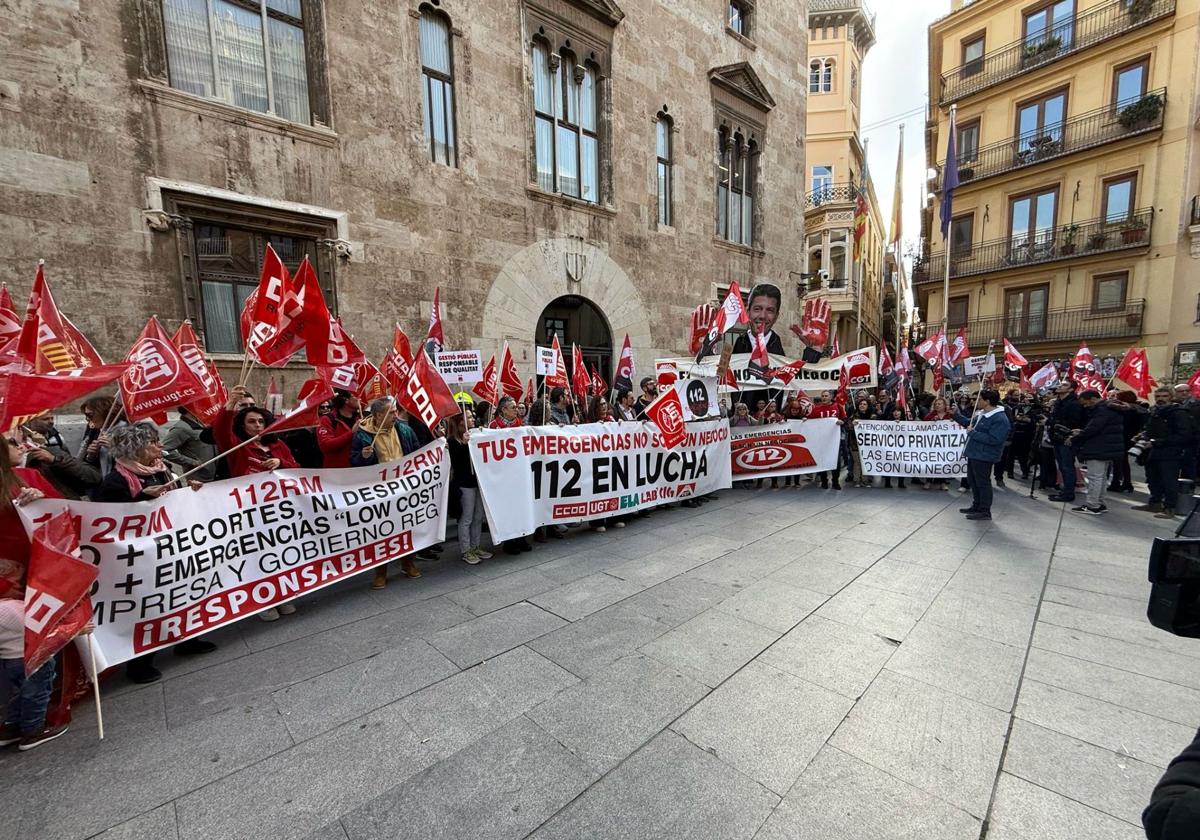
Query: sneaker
pixel 483 555
pixel 1093 511
pixel 269 615
pixel 618 524
pixel 471 558
pixel 286 609
pixel 1166 513
pixel 979 515
pixel 1151 507
pixel 599 529
pixel 9 734
pixel 28 742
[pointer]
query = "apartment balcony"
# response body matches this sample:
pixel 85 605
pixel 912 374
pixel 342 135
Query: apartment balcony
pixel 1095 128
pixel 831 194
pixel 1080 323
pixel 838 291
pixel 1085 30
pixel 1067 242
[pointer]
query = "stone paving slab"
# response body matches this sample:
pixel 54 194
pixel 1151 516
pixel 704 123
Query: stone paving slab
pixel 1024 811
pixel 833 655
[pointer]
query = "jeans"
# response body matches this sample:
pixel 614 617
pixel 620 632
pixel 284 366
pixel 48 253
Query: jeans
pixel 1064 456
pixel 1122 477
pixel 1163 478
pixel 28 697
pixel 979 477
pixel 470 520
pixel 1097 481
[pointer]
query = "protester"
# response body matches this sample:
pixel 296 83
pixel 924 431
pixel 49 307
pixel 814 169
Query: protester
pixel 624 410
pixel 987 432
pixel 72 477
pixel 232 427
pixel 898 415
pixel 1097 445
pixel 862 413
pixel 506 414
pixel 1174 809
pixel 649 394
pixel 104 415
pixel 464 482
pixel 1133 420
pixel 826 407
pixel 139 475
pixel 1010 411
pixel 1190 459
pixel 939 409
pixel 1021 447
pixel 741 416
pixel 1068 417
pixel 560 407
pixel 335 431
pixel 383 437
pixel 182 446
pixel 1167 434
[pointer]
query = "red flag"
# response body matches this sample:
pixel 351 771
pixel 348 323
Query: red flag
pixel 315 383
pixel 48 340
pixel 731 381
pixel 330 345
pixel 10 322
pixel 1193 383
pixel 353 377
pixel 1083 370
pixel 1012 356
pixel 835 350
pixel 272 389
pixel 374 389
pixel 580 380
pixel 425 395
pixel 843 389
pixel 760 359
pixel 304 322
pixel 209 404
pixel 510 380
pixel 1045 376
pixel 958 349
pixel 25 395
pixel 435 339
pixel 732 312
pixel 57 606
pixel 702 318
pixel 666 412
pixel 887 369
pixel 487 386
pixel 305 415
pixel 274 283
pixel 932 349
pixel 530 392
pixel 903 362
pixel 624 377
pixel 902 396
pixel 599 386
pixel 158 378
pixel 403 349
pixel 1023 383
pixel 558 379
pixel 1134 371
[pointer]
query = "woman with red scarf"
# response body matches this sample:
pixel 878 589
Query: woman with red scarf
pixel 507 416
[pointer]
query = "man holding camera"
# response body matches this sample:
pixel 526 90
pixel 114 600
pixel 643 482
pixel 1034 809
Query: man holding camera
pixel 1097 445
pixel 1168 433
pixel 1068 418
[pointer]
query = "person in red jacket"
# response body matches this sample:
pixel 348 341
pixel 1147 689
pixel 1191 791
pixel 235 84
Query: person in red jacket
pixel 335 432
pixel 232 427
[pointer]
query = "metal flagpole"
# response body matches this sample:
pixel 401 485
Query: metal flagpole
pixel 946 229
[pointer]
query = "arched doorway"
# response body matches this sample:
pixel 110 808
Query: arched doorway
pixel 576 320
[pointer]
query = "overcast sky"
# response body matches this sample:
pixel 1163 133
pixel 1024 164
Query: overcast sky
pixel 895 91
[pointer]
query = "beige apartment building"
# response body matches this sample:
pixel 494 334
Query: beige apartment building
pixel 1074 219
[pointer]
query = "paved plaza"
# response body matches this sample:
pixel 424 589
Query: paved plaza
pixel 777 664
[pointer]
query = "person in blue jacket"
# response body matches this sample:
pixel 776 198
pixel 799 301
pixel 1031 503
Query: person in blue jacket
pixel 987 432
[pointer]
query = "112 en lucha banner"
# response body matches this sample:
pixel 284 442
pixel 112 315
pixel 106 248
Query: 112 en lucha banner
pixel 544 475
pixel 192 561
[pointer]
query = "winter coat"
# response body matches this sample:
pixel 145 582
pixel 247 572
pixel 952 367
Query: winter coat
pixel 1171 428
pixel 185 448
pixel 985 441
pixel 1068 411
pixel 1103 438
pixel 1174 809
pixel 334 435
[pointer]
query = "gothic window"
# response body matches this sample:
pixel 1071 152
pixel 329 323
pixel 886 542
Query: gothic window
pixel 566 101
pixel 737 166
pixel 437 86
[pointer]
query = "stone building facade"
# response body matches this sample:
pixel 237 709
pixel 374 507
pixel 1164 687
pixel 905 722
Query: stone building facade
pixel 567 165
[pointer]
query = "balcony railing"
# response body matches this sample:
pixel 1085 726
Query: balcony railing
pixel 1085 30
pixel 837 285
pixel 1067 242
pixel 1071 324
pixel 831 194
pixel 1095 128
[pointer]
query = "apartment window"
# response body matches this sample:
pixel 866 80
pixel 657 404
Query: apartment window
pixel 1025 312
pixel 822 183
pixel 967 145
pixel 1108 291
pixel 247 53
pixel 1049 23
pixel 956 313
pixel 1129 82
pixel 736 177
pixel 662 144
pixel 740 13
pixel 820 75
pixel 1032 221
pixel 854 84
pixel 815 250
pixel 839 257
pixel 437 86
pixel 566 140
pixel 1119 196
pixel 962 234
pixel 972 56
pixel 1041 120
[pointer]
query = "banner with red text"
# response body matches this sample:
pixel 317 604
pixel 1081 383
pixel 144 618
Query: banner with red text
pixel 792 448
pixel 192 561
pixel 544 475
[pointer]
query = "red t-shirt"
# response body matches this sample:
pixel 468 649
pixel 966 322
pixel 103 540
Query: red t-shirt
pixel 820 410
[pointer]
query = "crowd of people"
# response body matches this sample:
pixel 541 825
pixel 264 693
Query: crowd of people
pixel 1063 441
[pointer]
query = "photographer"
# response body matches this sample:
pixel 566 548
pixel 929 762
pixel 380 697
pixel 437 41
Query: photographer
pixel 1174 809
pixel 1068 417
pixel 1097 445
pixel 1168 433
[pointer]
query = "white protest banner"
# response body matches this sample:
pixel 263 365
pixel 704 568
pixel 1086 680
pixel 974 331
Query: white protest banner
pixel 792 448
pixel 911 448
pixel 189 562
pixel 543 475
pixel 813 377
pixel 979 365
pixel 546 361
pixel 460 365
pixel 699 398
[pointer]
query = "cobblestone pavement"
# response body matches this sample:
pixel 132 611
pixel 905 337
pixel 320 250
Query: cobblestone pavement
pixel 779 663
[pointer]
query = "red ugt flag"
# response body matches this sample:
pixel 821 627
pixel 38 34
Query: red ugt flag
pixel 599 386
pixel 666 412
pixel 624 378
pixel 209 405
pixel 25 395
pixel 57 606
pixel 425 395
pixel 48 340
pixel 510 380
pixel 158 377
pixel 486 387
pixel 1134 371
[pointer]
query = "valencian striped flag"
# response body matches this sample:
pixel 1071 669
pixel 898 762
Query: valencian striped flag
pixel 860 218
pixel 48 340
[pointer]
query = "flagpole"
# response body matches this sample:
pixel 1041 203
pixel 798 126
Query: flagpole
pixel 946 230
pixel 218 457
pixel 96 687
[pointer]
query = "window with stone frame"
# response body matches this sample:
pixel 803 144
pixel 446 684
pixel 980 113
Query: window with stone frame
pixel 741 105
pixel 221 247
pixel 569 47
pixel 437 85
pixel 741 17
pixel 664 150
pixel 737 174
pixel 261 55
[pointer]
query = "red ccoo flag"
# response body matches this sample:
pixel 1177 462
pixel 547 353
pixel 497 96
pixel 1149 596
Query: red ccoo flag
pixel 25 395
pixel 558 379
pixel 158 378
pixel 10 322
pixel 57 606
pixel 581 382
pixel 486 387
pixel 624 378
pixel 1134 371
pixel 435 339
pixel 425 395
pixel 958 349
pixel 303 316
pixel 352 378
pixel 209 404
pixel 305 415
pixel 666 412
pixel 48 340
pixel 510 380
pixel 1012 356
pixel 330 345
